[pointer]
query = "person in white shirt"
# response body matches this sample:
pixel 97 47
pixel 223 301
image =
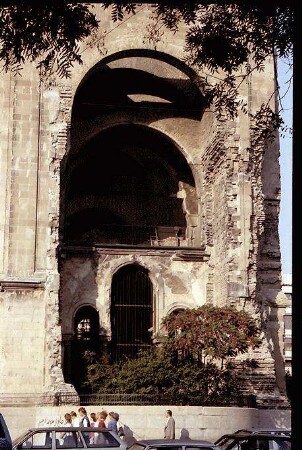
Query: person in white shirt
pixel 69 439
pixel 75 419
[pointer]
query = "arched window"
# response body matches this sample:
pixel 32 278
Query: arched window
pixel 86 323
pixel 131 311
pixel 173 314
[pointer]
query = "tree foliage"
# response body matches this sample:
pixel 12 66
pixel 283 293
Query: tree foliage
pixel 186 365
pixel 211 333
pixel 220 38
pixel 227 42
pixel 157 373
pixel 48 33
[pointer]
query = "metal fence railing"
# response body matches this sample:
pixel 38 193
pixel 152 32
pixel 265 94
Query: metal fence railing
pixel 61 398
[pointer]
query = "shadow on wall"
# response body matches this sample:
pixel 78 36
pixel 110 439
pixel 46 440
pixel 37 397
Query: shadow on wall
pixel 280 420
pixel 129 438
pixel 184 434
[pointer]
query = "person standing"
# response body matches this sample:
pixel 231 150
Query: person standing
pixel 112 424
pixel 93 423
pixel 68 436
pixel 101 417
pixel 169 431
pixel 75 419
pixel 84 421
pixel 120 429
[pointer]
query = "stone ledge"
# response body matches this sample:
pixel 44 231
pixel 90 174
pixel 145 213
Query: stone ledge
pixel 177 253
pixel 21 284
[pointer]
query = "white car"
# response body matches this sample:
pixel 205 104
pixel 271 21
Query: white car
pixel 72 438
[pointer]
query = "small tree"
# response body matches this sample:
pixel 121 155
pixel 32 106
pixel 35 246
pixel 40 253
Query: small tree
pixel 209 333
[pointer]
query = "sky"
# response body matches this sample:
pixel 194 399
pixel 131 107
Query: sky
pixel 286 159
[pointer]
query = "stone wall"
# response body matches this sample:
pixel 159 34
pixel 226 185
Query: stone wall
pixel 143 422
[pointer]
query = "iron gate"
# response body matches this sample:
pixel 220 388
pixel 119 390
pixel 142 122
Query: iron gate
pixel 131 311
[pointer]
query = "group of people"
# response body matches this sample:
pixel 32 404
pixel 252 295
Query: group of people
pixel 101 419
pixel 107 420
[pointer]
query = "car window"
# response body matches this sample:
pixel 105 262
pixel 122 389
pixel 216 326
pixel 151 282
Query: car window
pixel 278 444
pixel 255 444
pixel 40 439
pixel 101 439
pixel 137 447
pixel 200 448
pixel 229 444
pixel 68 439
pixel 166 447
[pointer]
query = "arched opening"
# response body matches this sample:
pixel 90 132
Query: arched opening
pixel 125 183
pixel 131 311
pixel 129 185
pixel 85 339
pixel 173 314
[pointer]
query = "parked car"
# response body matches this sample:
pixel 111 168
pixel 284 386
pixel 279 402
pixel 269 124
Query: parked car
pixel 5 439
pixel 253 441
pixel 280 431
pixel 172 444
pixel 69 438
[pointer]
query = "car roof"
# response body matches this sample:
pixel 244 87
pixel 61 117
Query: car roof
pixel 245 435
pixel 68 429
pixel 268 430
pixel 168 442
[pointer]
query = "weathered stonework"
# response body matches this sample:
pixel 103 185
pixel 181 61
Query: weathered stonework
pixel 229 254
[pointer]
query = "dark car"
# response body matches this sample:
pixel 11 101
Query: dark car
pixel 173 444
pixel 280 431
pixel 71 438
pixel 254 441
pixel 5 439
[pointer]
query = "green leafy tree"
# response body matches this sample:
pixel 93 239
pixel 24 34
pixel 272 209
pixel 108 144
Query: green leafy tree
pixel 48 33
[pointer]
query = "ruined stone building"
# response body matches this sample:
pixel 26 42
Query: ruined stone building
pixel 124 199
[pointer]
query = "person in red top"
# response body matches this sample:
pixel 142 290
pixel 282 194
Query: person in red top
pixel 100 422
pixel 93 423
pixel 100 419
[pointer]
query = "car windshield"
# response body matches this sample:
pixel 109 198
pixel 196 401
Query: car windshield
pixel 21 437
pixel 137 447
pixel 169 447
pixel 252 443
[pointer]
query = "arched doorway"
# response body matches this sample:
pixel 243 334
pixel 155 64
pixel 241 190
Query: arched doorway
pixel 131 311
pixel 85 339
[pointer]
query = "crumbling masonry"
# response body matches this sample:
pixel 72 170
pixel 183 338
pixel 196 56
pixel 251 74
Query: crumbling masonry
pixel 121 170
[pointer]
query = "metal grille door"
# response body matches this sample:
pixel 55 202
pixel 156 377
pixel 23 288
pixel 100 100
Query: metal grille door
pixel 131 311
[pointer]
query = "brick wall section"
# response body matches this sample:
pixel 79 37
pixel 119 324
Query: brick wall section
pixel 22 343
pixel 22 220
pixel 6 99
